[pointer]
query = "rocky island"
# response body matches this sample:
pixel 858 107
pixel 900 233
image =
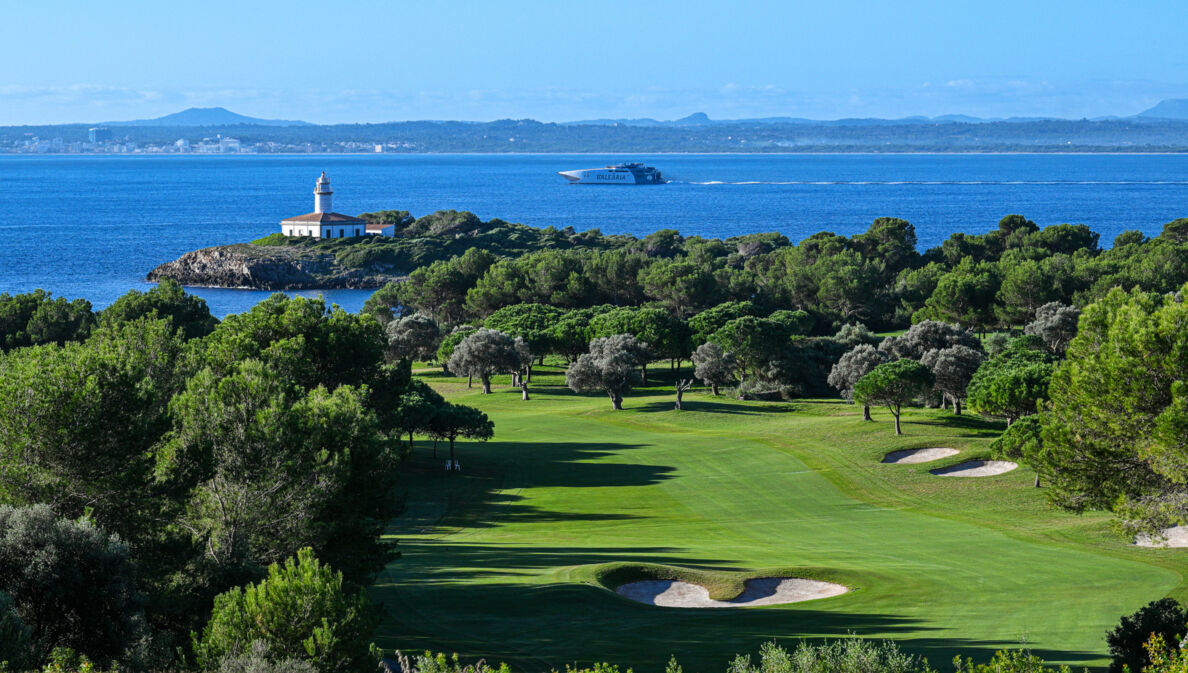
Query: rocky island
pixel 279 262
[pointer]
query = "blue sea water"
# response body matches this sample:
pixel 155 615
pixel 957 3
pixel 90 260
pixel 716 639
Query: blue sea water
pixel 93 226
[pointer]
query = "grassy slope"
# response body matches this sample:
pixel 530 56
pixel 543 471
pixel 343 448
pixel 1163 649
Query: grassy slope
pixel 501 561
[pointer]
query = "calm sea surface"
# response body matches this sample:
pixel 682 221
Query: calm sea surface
pixel 93 226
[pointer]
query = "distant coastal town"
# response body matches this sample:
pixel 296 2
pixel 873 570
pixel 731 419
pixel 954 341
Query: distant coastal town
pixel 102 140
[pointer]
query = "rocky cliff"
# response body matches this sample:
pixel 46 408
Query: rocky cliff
pixel 266 268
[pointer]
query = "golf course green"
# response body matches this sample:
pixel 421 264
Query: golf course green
pixel 515 557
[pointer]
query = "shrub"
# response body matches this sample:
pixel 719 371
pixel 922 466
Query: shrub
pixel 70 582
pixel 851 655
pixel 1007 661
pixel 301 609
pixel 272 239
pixel 1165 617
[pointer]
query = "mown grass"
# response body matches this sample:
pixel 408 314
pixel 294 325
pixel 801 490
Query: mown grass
pixel 514 558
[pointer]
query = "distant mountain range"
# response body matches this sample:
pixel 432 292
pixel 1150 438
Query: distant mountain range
pixel 207 116
pixel 1170 109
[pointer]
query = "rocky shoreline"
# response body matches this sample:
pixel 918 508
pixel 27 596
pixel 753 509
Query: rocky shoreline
pixel 247 266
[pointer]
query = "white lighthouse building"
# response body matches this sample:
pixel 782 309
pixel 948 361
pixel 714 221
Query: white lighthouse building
pixel 323 222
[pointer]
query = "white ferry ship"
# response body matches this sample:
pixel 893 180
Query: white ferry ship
pixel 619 174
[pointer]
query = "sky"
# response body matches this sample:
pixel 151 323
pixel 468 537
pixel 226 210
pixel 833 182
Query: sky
pixel 554 60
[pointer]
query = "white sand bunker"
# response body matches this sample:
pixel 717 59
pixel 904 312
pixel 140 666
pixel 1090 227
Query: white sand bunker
pixel 1176 536
pixel 760 591
pixel 911 456
pixel 976 468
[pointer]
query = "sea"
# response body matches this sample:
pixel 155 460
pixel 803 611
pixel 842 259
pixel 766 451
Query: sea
pixel 93 226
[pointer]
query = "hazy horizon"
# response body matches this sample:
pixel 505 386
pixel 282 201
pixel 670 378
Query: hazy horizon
pixel 375 62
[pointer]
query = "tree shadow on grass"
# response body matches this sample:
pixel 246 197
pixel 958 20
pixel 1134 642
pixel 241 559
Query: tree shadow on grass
pixel 979 426
pixel 483 494
pixel 545 626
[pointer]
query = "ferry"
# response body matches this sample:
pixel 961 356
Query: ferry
pixel 618 174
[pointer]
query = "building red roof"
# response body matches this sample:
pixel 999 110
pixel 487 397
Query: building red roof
pixel 377 226
pixel 324 218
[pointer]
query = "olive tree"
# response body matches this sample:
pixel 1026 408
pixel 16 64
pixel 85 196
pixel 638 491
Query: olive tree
pixel 894 384
pixel 856 363
pixel 486 352
pixel 1056 324
pixel 714 366
pixel 612 365
pixel 953 368
pixel 72 584
pixel 928 335
pixel 414 337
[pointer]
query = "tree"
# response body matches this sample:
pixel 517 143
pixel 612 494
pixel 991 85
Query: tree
pixel 34 318
pixel 682 386
pixel 485 352
pixel 440 289
pixel 705 323
pixel 612 366
pixel 928 335
pixel 449 342
pixel 1023 441
pixel 78 424
pixel 681 287
pixel 953 367
pixel 894 384
pixel 965 295
pixel 849 370
pixel 72 584
pixel 1025 287
pixel 754 341
pixel 570 333
pixel 455 420
pixel 1012 383
pixel 856 334
pixel 414 337
pixel 1165 617
pixel 1114 439
pixel 383 303
pixel 302 609
pixel 168 300
pixel 267 468
pixel 417 408
pixel 16 639
pixel 714 366
pixel 1056 324
pixel 530 322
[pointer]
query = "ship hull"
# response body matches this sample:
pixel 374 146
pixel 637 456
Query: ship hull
pixel 606 176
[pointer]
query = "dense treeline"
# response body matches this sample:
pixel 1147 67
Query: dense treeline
pixel 153 458
pixel 993 280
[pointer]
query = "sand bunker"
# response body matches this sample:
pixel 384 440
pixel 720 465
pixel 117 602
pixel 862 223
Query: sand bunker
pixel 910 456
pixel 976 468
pixel 1176 536
pixel 761 591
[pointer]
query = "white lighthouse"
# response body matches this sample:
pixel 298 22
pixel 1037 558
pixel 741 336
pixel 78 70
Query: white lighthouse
pixel 322 194
pixel 325 223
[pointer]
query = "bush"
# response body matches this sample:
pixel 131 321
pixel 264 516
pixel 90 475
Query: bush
pixel 1007 661
pixel 70 582
pixel 301 609
pixel 272 239
pixel 852 655
pixel 16 648
pixel 1165 617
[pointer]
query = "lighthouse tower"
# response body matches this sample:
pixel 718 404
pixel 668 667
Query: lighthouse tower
pixel 322 194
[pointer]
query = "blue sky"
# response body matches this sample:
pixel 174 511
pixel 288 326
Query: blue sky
pixel 561 60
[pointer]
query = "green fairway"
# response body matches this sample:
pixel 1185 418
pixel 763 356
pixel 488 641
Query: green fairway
pixel 502 560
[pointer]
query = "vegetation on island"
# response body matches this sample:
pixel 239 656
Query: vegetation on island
pixel 179 492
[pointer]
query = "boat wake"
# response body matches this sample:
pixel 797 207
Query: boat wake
pixel 934 182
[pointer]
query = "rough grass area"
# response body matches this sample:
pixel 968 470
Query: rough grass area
pixel 512 558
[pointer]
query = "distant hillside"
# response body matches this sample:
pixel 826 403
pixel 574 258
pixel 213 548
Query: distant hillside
pixel 207 116
pixel 1172 108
